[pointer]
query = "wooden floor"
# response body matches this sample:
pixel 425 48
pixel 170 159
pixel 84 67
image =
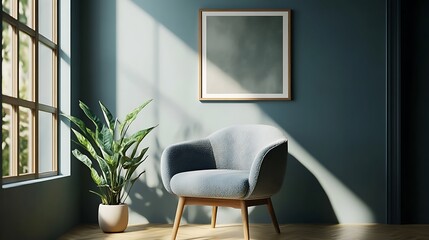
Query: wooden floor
pixel 258 231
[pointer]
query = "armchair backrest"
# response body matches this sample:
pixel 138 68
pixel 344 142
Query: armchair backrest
pixel 259 149
pixel 236 147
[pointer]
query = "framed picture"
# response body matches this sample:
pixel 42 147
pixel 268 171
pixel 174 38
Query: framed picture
pixel 244 55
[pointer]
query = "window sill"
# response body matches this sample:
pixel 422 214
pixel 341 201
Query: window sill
pixel 32 181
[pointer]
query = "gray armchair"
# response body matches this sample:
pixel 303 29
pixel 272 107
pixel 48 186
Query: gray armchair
pixel 238 166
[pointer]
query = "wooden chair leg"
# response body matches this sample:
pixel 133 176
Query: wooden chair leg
pixel 273 215
pixel 179 213
pixel 245 219
pixel 214 216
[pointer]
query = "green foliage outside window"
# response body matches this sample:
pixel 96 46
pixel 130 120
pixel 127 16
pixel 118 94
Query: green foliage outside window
pixel 24 68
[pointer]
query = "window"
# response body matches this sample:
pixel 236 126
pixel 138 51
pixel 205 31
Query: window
pixel 29 89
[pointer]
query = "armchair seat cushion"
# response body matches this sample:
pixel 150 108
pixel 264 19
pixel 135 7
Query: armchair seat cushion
pixel 213 183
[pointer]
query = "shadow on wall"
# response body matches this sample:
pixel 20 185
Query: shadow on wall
pixel 300 200
pixel 153 203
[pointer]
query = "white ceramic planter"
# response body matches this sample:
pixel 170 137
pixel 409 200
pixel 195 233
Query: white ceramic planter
pixel 113 218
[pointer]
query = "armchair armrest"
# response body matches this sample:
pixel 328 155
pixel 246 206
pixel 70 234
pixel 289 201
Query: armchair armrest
pixel 186 156
pixel 268 170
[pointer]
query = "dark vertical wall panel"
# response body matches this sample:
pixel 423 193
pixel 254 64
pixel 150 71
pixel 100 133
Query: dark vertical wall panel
pixel 415 118
pixel 97 77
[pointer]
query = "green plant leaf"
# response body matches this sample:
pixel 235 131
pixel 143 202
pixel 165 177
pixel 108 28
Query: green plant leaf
pixel 123 127
pixel 142 153
pixel 95 177
pixel 107 116
pixel 104 167
pixel 91 134
pixel 84 131
pixel 103 197
pixel 136 137
pixel 91 115
pixel 133 168
pixel 105 141
pixel 116 158
pixel 77 121
pixel 102 163
pixel 135 161
pixel 83 158
pixel 85 143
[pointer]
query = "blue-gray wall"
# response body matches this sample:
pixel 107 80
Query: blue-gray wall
pixel 133 50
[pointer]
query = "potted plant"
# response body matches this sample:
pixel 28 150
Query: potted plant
pixel 117 156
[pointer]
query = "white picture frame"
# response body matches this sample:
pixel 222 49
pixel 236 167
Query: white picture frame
pixel 244 55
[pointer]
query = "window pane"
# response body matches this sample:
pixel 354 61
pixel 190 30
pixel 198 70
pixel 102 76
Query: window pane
pixel 45 75
pixel 7 59
pixel 6 140
pixel 46 18
pixel 25 66
pixel 6 5
pixel 25 132
pixel 45 142
pixel 26 12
